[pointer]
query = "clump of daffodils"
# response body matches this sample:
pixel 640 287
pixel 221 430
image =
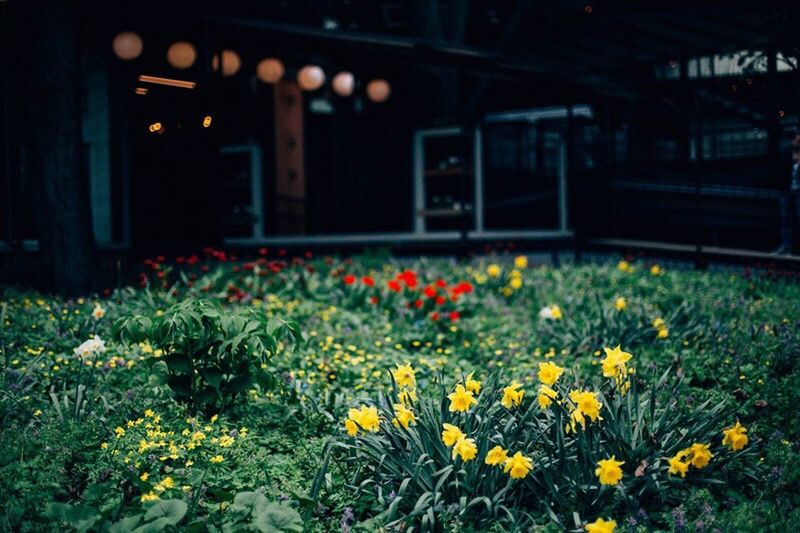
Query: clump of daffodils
pixel 365 418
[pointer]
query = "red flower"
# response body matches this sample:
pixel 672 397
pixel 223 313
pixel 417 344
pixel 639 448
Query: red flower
pixel 204 268
pixel 440 300
pixel 192 260
pixel 349 279
pixel 374 300
pixel 180 259
pixel 309 255
pixel 429 291
pixel 263 251
pixel 394 286
pixel 368 281
pixel 418 303
pixel 435 316
pixel 441 283
pixel 454 316
pixel 409 277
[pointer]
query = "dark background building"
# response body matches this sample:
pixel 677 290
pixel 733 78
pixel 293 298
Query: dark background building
pixel 591 123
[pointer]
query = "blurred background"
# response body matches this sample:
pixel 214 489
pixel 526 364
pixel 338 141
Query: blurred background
pixel 143 127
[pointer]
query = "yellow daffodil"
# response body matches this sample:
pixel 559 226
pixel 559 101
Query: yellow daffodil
pixel 407 396
pixel 608 471
pixel 461 400
pixel 466 449
pixel 451 434
pixel 493 270
pixel 517 466
pixel 735 437
pixel 677 464
pixel 614 363
pixel 365 417
pixel 601 526
pixel 586 403
pixel 620 304
pixel 404 376
pixel 496 456
pixel 656 270
pixel 700 455
pixel 549 372
pixel 521 262
pixel 512 395
pixel 473 385
pixel 403 416
pixel 546 396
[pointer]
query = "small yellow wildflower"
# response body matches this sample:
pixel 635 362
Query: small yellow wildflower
pixel 521 262
pixel 493 270
pixel 601 526
pixel 217 459
pixel 620 304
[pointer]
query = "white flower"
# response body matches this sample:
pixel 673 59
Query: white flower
pixel 98 312
pixel 550 313
pixel 91 347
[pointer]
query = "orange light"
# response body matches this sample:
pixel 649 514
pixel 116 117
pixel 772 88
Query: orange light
pixel 141 91
pixel 127 45
pixel 167 81
pixel 207 121
pixel 156 127
pixel 379 90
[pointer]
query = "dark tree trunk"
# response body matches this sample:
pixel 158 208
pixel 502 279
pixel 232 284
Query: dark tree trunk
pixel 62 206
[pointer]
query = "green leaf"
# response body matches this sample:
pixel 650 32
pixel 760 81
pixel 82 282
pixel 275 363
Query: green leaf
pixel 169 511
pixel 179 363
pixel 250 503
pixel 276 518
pixel 125 525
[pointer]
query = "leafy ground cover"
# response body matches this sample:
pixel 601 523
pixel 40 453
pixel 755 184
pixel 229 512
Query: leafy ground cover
pixel 326 394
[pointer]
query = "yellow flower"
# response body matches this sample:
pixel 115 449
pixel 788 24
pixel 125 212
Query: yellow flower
pixel 512 396
pixel 365 417
pixel 144 476
pixel 473 385
pixel 119 432
pixel 659 323
pixel 700 455
pixel 217 459
pixel 37 412
pixel 403 416
pixel 620 304
pixel 735 437
pixel 461 400
pixel 521 261
pixel 656 270
pixel 493 270
pixel 148 497
pixel 167 482
pixel 515 283
pixel 214 418
pixel 601 526
pixel 624 266
pixel 614 363
pixel 549 372
pixel 451 434
pixel 677 465
pixel 466 449
pixel 496 456
pixel 407 396
pixel 586 403
pixel 518 466
pixel 226 441
pixel 404 376
pixel 608 471
pixel 663 333
pixel 546 396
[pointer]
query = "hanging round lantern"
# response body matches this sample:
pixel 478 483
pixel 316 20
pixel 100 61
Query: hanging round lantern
pixel 344 83
pixel 181 55
pixel 310 78
pixel 379 90
pixel 127 45
pixel 270 70
pixel 231 63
